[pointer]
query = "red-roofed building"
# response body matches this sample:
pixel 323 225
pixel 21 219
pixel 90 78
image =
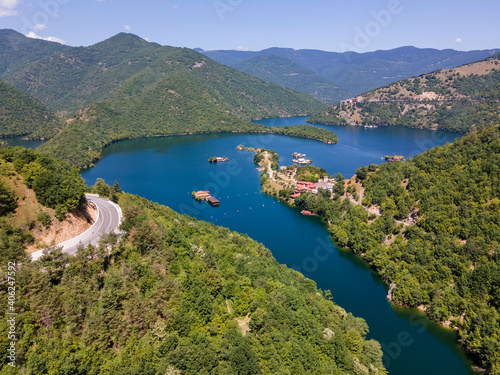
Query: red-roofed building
pixel 201 194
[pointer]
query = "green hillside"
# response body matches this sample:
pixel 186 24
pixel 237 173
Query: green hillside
pixel 459 99
pixel 206 97
pixel 35 190
pixel 17 52
pixel 286 73
pixel 80 76
pixel 181 104
pixel 173 296
pixel 126 87
pixel 21 115
pixel 431 227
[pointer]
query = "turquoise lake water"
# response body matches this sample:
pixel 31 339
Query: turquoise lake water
pixel 167 170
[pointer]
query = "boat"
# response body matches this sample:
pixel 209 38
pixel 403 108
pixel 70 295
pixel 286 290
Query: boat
pixel 305 212
pixel 298 155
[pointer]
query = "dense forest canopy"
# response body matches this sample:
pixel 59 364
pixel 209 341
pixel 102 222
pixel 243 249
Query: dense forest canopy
pixel 21 115
pixel 184 103
pixel 287 73
pixel 178 296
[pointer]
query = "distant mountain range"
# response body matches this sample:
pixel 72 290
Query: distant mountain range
pixel 349 73
pixel 459 99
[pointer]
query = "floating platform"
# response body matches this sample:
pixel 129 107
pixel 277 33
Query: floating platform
pixel 213 201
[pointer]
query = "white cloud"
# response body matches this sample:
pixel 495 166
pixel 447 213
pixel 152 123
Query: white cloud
pixel 241 48
pixel 175 7
pixel 7 8
pixel 127 27
pixel 9 4
pixel 458 40
pixel 146 39
pixel 40 27
pixel 31 34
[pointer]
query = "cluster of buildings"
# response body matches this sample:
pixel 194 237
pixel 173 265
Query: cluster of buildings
pixel 352 100
pixel 311 187
pixel 205 195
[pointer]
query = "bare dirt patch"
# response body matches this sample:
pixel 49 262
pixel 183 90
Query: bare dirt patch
pixel 243 323
pixel 74 224
pixel 479 68
pixel 28 209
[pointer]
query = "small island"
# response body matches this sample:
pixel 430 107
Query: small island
pixel 392 158
pixel 217 159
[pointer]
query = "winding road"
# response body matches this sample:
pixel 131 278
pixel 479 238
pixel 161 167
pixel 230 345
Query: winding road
pixel 109 216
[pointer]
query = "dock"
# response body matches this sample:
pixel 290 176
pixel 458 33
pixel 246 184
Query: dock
pixel 212 201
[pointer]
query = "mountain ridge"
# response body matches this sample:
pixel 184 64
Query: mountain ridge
pixel 458 99
pixel 359 72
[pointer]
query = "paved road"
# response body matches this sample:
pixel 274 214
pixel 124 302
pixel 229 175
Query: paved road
pixel 108 220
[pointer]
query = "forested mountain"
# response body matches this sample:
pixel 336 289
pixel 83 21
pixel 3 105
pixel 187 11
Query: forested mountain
pixel 21 115
pixel 126 87
pixel 286 73
pixel 183 103
pixel 431 227
pixel 80 76
pixel 353 72
pixel 459 99
pixel 17 51
pixel 173 296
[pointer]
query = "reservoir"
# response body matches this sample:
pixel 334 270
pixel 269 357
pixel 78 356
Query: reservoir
pixel 167 170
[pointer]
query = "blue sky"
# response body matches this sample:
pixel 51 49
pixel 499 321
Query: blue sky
pixel 332 25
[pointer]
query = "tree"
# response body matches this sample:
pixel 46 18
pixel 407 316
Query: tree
pixel 8 201
pixel 101 188
pixel 362 172
pixel 116 187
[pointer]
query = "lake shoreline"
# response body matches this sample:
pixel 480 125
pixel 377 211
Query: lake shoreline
pixel 268 131
pixel 270 189
pixel 174 166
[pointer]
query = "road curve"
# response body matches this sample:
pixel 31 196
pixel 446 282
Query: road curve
pixel 109 216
